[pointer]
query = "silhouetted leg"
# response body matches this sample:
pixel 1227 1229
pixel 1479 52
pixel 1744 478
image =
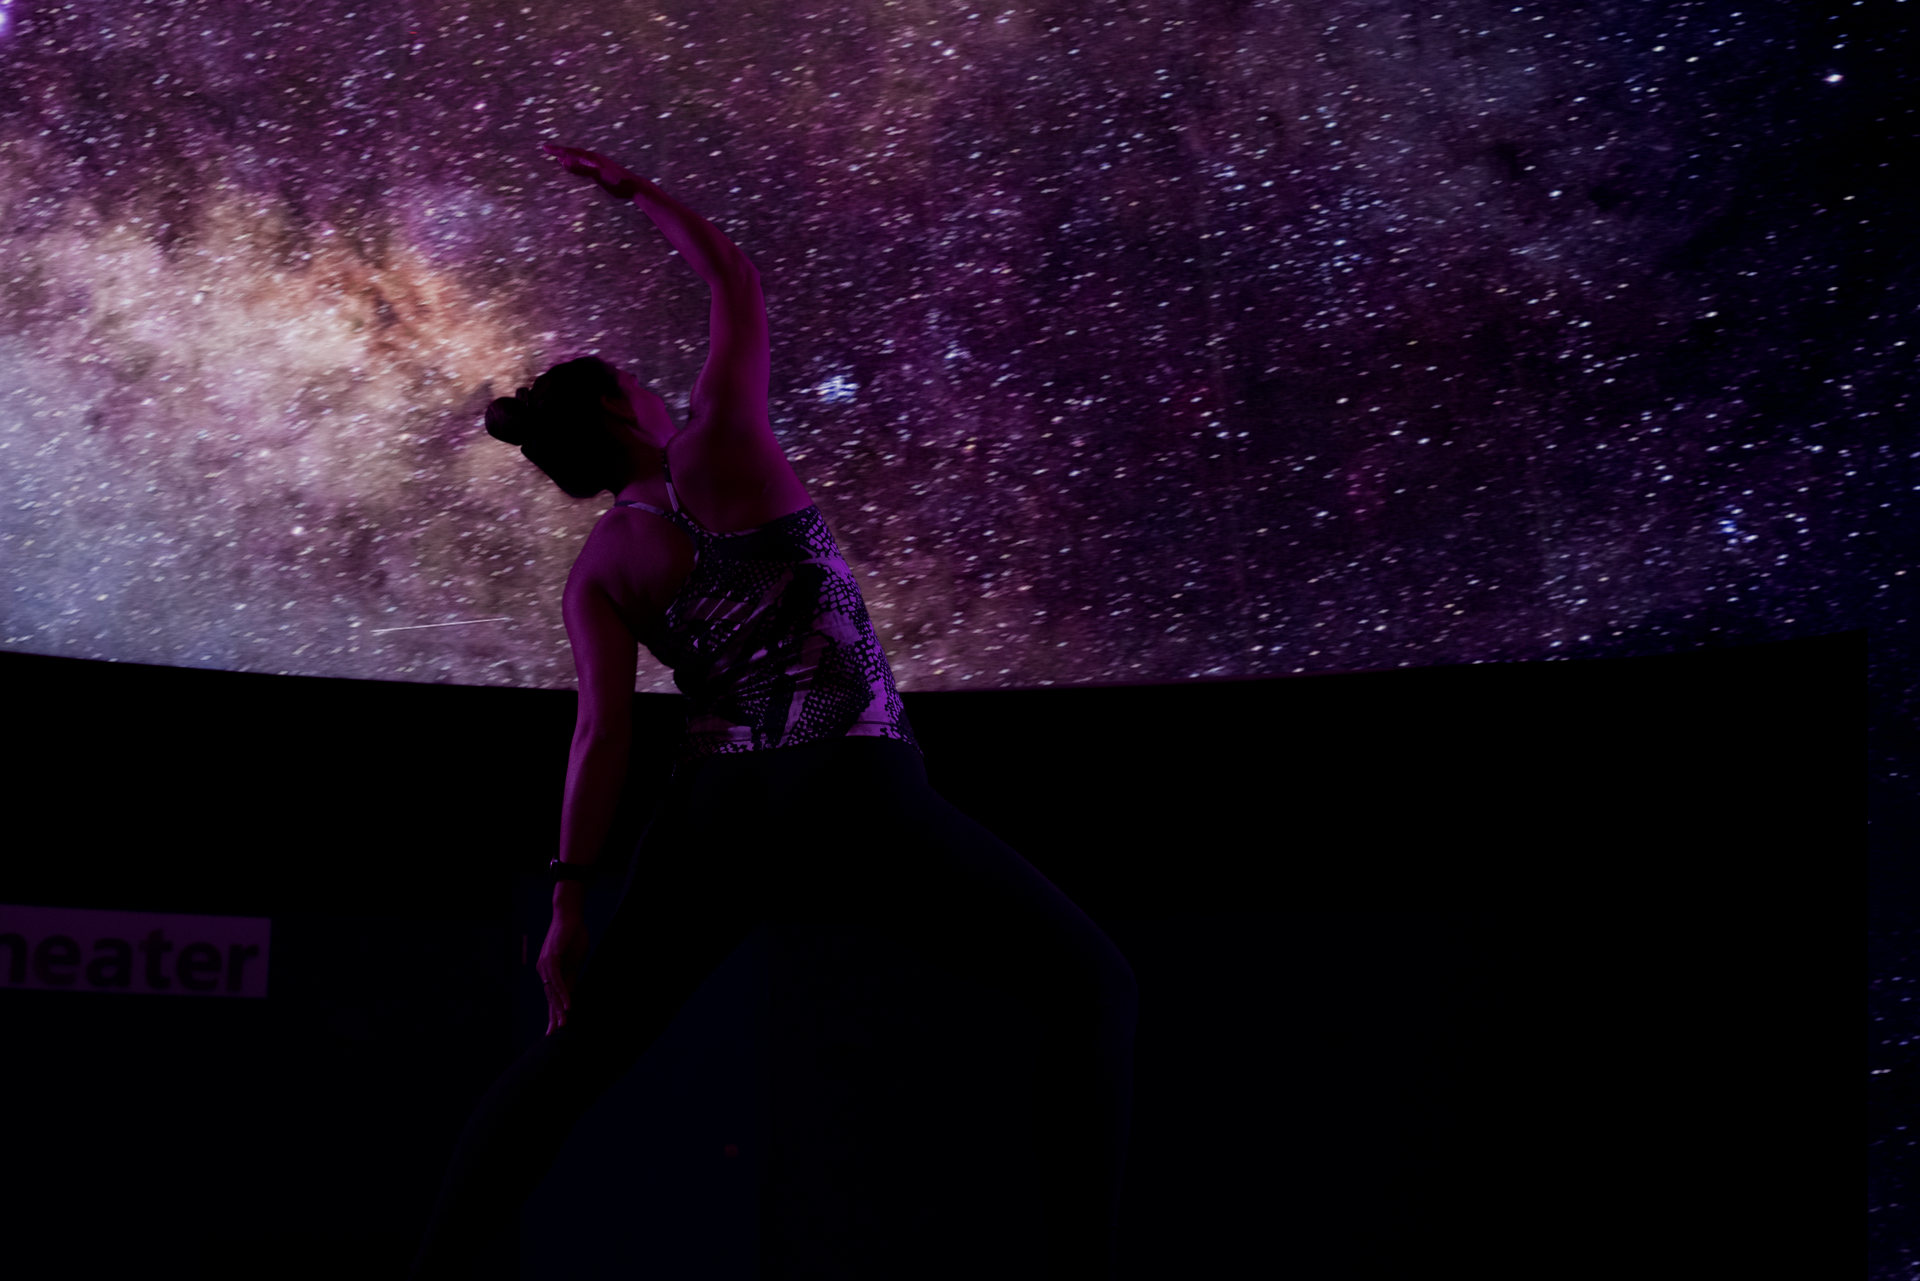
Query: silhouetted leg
pixel 684 913
pixel 945 887
pixel 851 827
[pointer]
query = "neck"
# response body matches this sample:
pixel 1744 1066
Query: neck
pixel 648 482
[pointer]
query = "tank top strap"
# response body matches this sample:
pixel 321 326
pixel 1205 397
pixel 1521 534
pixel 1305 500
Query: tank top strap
pixel 645 507
pixel 678 516
pixel 681 516
pixel 666 473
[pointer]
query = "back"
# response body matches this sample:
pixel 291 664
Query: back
pixel 770 640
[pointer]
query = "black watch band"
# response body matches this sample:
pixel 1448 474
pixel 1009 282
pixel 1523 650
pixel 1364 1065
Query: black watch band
pixel 558 871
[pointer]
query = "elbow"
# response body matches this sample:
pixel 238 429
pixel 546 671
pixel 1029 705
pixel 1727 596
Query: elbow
pixel 740 267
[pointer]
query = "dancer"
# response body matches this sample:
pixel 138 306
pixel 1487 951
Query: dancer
pixel 798 790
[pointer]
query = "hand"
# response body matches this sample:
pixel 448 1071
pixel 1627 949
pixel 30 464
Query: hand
pixel 613 178
pixel 559 965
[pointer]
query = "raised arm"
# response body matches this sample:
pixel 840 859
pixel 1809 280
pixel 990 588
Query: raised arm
pixel 732 388
pixel 731 467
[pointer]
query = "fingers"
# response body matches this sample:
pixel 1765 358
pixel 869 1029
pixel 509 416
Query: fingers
pixel 558 1003
pixel 559 963
pixel 576 158
pixel 553 987
pixel 586 164
pixel 573 160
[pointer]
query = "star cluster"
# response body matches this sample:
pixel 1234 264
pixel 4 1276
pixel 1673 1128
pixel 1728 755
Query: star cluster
pixel 1123 342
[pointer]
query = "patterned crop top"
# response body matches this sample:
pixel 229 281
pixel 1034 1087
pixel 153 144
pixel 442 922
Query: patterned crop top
pixel 770 640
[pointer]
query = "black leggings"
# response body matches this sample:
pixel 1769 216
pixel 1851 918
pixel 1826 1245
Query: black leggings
pixel 847 829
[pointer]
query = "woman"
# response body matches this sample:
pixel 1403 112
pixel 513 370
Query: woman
pixel 799 788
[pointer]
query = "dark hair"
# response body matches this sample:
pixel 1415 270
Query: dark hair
pixel 561 426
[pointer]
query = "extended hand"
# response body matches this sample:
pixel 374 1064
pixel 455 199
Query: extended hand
pixel 559 965
pixel 614 179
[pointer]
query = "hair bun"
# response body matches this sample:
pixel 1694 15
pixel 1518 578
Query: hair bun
pixel 510 418
pixel 560 424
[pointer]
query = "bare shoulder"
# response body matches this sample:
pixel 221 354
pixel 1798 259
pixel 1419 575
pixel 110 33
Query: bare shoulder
pixel 636 561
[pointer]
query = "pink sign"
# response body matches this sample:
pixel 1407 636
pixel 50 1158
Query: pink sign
pixel 67 949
